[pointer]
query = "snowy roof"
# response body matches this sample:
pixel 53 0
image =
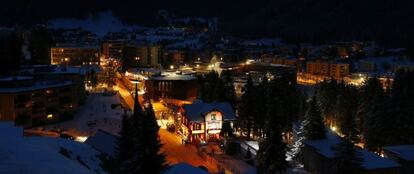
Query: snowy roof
pixel 58 69
pixel 36 86
pixel 405 152
pixel 371 160
pixel 196 110
pixel 14 78
pixel 103 142
pixel 182 168
pixel 39 155
pixel 173 76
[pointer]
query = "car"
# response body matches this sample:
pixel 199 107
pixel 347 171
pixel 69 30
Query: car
pixel 67 136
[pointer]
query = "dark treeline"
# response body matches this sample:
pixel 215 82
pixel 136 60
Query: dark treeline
pixel 370 114
pixel 388 22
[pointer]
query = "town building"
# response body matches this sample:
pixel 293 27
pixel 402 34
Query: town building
pixel 318 67
pixel 30 103
pixel 403 154
pixel 203 121
pixel 77 75
pixel 338 70
pixel 136 55
pixel 326 69
pixel 318 158
pixel 172 86
pixel 113 48
pixel 75 55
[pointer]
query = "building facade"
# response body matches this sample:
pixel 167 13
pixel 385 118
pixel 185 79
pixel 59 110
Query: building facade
pixel 29 103
pixel 204 121
pixel 75 55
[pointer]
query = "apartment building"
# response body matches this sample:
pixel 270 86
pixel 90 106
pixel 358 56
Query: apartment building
pixel 31 103
pixel 75 55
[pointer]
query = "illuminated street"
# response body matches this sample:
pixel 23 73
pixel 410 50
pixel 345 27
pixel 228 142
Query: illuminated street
pixel 177 152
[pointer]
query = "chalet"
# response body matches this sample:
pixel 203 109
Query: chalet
pixel 203 121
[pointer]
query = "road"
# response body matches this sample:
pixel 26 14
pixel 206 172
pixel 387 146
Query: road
pixel 177 152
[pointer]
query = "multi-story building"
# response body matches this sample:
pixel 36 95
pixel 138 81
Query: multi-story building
pixel 325 69
pixel 170 85
pixel 143 55
pixel 113 49
pixel 318 67
pixel 338 70
pixel 75 55
pixel 203 121
pixel 31 103
pixel 77 75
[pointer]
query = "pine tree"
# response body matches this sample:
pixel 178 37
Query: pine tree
pixel 314 128
pixel 245 119
pixel 155 161
pixel 402 108
pixel 40 42
pixel 260 91
pixel 373 114
pixel 135 163
pixel 229 91
pixel 125 141
pixel 346 111
pixel 271 157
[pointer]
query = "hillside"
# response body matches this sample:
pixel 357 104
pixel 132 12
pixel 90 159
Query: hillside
pixel 386 21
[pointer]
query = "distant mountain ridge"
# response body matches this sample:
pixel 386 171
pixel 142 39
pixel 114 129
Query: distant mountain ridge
pixel 387 21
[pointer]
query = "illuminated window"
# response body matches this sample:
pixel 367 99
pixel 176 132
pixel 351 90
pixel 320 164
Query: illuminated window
pixel 213 116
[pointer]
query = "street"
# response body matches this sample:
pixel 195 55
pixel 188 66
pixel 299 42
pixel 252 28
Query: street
pixel 177 152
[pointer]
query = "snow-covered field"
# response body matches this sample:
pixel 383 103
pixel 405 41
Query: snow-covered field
pixel 97 113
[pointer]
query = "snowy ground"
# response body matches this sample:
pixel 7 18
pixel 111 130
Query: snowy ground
pixel 43 155
pixel 95 114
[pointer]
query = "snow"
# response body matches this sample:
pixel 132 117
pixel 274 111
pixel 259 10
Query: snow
pixel 198 108
pixel 405 152
pixel 103 142
pixel 39 155
pixel 183 168
pixel 173 76
pixel 95 114
pixel 7 79
pixel 371 160
pixel 36 86
pixel 101 24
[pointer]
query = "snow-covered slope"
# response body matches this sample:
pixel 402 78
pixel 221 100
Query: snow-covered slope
pixel 41 155
pixel 100 24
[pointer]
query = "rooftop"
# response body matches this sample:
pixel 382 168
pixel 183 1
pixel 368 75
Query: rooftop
pixel 405 152
pixel 371 160
pixel 104 142
pixel 36 86
pixel 198 109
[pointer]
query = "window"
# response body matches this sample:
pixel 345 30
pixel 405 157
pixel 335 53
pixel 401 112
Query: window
pixel 213 117
pixel 197 126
